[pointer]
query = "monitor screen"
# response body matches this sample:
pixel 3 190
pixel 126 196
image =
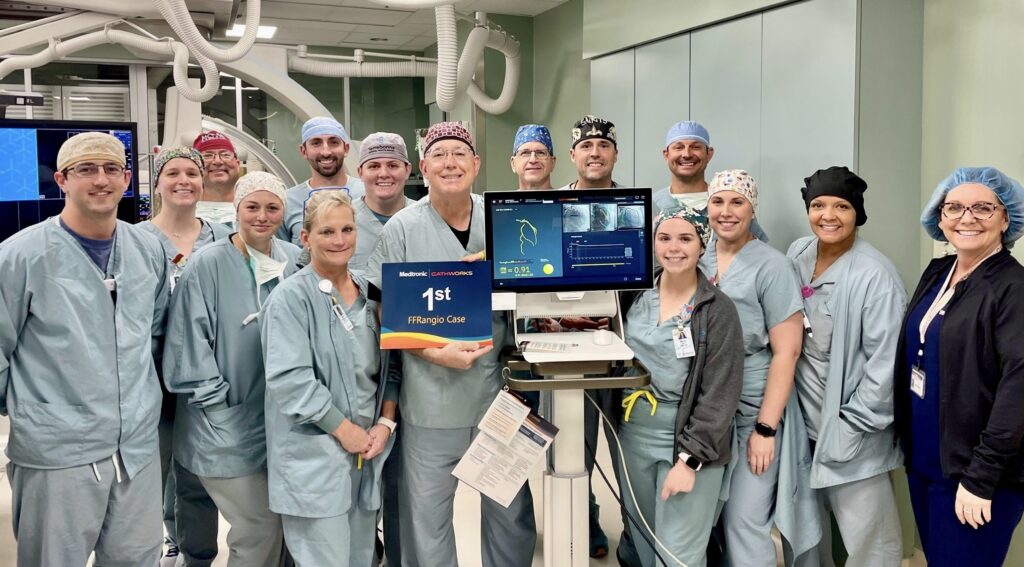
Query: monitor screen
pixel 569 240
pixel 28 160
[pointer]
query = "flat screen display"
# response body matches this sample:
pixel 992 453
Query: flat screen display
pixel 28 160
pixel 569 240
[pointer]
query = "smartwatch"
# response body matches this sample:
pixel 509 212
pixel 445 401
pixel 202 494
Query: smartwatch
pixel 765 430
pixel 691 461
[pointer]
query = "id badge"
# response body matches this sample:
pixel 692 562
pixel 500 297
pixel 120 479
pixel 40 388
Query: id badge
pixel 683 341
pixel 917 381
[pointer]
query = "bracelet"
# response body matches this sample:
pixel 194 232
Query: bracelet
pixel 389 423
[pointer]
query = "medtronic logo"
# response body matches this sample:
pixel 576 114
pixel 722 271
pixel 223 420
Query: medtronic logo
pixel 412 274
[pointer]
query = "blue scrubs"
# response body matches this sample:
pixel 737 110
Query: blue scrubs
pixel 295 208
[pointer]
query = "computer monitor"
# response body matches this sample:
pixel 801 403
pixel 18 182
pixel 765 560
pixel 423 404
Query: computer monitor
pixel 569 240
pixel 28 160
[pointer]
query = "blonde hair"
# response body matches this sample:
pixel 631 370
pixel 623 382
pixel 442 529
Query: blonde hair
pixel 321 202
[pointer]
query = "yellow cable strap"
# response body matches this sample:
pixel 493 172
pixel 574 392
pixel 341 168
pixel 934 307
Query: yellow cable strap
pixel 359 462
pixel 627 404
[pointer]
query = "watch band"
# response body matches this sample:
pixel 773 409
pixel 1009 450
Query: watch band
pixel 691 461
pixel 765 430
pixel 390 424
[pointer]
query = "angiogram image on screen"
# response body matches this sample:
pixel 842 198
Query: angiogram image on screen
pixel 602 216
pixel 528 240
pixel 630 217
pixel 575 218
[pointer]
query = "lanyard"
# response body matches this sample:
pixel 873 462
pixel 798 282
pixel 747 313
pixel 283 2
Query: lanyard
pixel 326 287
pixel 946 292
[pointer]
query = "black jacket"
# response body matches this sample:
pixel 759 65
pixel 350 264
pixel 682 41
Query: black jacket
pixel 712 389
pixel 981 372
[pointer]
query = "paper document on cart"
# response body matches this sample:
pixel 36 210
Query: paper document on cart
pixel 511 444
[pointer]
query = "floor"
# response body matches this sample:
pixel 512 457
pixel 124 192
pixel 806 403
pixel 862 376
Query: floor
pixel 466 519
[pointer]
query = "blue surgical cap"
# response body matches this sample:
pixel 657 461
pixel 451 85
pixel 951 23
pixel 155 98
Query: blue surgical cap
pixel 687 130
pixel 1009 192
pixel 533 133
pixel 323 126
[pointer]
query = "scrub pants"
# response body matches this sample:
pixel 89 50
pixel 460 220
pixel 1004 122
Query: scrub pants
pixel 255 538
pixel 683 522
pixel 946 541
pixel 749 514
pixel 866 513
pixel 61 516
pixel 427 495
pixel 184 497
pixel 337 541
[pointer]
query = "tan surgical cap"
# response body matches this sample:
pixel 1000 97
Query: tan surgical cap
pixel 90 146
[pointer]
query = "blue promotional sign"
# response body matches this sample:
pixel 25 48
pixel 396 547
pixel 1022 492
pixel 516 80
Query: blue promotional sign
pixel 431 304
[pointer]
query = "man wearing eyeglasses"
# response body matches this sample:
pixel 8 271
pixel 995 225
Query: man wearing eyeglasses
pixel 219 178
pixel 445 391
pixel 533 157
pixel 325 143
pixel 83 299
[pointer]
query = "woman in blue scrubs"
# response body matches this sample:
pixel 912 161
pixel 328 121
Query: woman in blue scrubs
pixel 770 452
pixel 211 360
pixel 959 380
pixel 677 432
pixel 853 300
pixel 329 419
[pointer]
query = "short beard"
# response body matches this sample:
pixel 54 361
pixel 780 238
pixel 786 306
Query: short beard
pixel 327 172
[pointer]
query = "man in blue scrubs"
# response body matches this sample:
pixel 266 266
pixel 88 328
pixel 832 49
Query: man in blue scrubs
pixel 83 299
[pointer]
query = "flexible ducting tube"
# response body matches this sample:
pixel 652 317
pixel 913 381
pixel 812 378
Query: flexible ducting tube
pixel 447 58
pixel 58 49
pixel 177 15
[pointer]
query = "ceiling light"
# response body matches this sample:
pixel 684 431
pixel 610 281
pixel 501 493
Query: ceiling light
pixel 378 39
pixel 262 32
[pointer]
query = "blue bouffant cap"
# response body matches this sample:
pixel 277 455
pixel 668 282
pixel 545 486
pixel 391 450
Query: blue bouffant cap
pixel 687 130
pixel 533 133
pixel 323 126
pixel 1009 192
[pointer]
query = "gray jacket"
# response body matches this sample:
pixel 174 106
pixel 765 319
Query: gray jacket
pixel 712 390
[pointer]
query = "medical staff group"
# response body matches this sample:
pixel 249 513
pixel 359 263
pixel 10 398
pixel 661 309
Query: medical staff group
pixel 222 358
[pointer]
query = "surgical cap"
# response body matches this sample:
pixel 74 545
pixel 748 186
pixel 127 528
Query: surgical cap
pixel 1008 191
pixel 383 145
pixel 259 181
pixel 698 219
pixel 90 146
pixel 734 180
pixel 590 127
pixel 447 131
pixel 213 140
pixel 183 152
pixel 533 133
pixel 323 126
pixel 836 181
pixel 687 130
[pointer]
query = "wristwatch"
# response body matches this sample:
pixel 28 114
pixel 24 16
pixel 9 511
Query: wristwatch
pixel 765 430
pixel 691 461
pixel 390 424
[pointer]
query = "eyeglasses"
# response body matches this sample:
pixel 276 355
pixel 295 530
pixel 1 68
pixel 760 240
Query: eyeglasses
pixel 439 155
pixel 980 211
pixel 224 156
pixel 89 170
pixel 535 154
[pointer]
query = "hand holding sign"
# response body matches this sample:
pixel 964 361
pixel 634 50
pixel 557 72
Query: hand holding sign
pixel 459 356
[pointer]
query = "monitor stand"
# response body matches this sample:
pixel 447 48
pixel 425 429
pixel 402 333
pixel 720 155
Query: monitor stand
pixel 566 376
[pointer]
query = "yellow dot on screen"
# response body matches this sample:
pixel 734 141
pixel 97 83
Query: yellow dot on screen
pixel 549 269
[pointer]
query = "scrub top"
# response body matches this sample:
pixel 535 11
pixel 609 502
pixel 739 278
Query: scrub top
pixel 368 229
pixel 653 346
pixel 433 396
pixel 208 233
pixel 294 211
pixel 317 372
pixel 665 199
pixel 211 359
pixel 77 376
pixel 763 286
pixel 813 365
pixel 924 412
